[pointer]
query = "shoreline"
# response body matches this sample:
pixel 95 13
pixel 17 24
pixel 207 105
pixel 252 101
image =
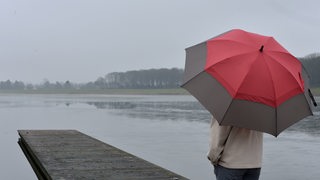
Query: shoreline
pixel 170 91
pixel 173 91
pixel 315 91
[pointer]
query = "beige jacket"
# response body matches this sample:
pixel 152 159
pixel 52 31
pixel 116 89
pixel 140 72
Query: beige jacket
pixel 242 149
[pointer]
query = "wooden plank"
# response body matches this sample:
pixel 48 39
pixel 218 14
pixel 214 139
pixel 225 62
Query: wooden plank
pixel 70 154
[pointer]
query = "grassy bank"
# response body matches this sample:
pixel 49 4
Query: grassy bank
pixel 316 91
pixel 176 91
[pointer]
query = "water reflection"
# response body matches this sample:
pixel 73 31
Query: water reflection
pixel 162 110
pixel 156 108
pixel 309 125
pixel 113 105
pixel 188 111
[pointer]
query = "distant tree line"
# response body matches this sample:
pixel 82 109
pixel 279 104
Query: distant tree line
pixel 312 65
pixel 143 79
pixel 151 78
pixel 8 85
pixel 19 85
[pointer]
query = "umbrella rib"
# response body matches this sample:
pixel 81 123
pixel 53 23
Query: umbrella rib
pixel 198 74
pixel 226 111
pixel 269 70
pixel 276 122
pixel 246 73
pixel 274 94
pixel 226 60
pixel 280 52
pixel 282 64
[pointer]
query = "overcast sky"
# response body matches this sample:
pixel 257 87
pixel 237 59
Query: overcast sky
pixel 80 40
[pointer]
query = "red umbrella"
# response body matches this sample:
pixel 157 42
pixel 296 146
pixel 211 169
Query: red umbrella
pixel 248 80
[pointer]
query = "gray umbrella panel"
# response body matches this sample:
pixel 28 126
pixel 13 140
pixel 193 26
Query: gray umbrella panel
pixel 196 57
pixel 245 114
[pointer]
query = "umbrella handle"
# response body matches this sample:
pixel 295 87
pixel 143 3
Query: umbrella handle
pixel 312 98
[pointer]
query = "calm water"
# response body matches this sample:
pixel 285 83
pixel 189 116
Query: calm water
pixel 171 131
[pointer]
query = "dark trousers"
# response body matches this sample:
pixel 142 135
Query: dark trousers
pixel 223 173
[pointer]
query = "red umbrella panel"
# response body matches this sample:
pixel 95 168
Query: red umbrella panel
pixel 248 80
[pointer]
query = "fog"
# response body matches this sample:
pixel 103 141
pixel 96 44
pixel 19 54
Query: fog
pixel 80 40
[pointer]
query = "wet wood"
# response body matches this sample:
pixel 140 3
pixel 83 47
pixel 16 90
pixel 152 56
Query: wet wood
pixel 70 154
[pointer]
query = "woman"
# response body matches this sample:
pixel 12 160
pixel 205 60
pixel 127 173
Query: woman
pixel 236 153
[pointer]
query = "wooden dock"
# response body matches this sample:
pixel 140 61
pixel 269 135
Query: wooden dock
pixel 72 155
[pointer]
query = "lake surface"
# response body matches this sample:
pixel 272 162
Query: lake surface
pixel 170 131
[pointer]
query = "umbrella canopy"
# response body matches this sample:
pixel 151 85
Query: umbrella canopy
pixel 248 80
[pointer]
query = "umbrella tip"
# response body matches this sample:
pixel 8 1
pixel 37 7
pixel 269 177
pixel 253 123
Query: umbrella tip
pixel 261 49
